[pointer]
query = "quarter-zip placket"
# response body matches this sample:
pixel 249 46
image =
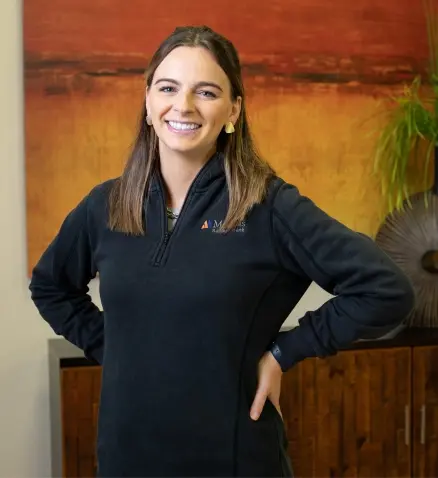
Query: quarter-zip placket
pixel 162 249
pixel 168 235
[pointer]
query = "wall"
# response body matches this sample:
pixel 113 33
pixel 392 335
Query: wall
pixel 24 413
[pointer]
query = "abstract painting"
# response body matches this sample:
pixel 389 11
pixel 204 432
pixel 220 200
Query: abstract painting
pixel 314 74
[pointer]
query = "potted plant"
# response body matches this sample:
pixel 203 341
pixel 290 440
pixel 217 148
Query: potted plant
pixel 409 139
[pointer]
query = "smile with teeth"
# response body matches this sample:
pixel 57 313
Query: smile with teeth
pixel 183 126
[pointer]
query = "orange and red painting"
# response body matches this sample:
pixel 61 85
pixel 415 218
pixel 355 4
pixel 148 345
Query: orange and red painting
pixel 314 73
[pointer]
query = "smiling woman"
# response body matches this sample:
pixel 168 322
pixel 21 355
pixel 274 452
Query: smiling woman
pixel 189 342
pixel 194 101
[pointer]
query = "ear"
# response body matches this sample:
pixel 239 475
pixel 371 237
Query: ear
pixel 235 110
pixel 146 100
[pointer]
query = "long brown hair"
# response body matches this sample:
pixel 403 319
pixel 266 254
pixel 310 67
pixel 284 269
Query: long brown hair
pixel 247 174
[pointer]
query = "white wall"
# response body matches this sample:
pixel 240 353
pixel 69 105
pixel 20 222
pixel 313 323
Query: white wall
pixel 23 377
pixel 24 413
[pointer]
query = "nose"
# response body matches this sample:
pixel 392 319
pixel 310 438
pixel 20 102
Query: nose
pixel 184 102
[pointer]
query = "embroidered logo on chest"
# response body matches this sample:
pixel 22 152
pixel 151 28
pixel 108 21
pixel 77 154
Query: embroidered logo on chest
pixel 214 225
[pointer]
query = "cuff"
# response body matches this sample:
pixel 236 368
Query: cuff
pixel 291 347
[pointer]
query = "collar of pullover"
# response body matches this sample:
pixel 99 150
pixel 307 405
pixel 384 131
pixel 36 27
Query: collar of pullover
pixel 212 170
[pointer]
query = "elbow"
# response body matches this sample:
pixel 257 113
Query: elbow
pixel 43 291
pixel 33 286
pixel 37 286
pixel 400 299
pixel 390 305
pixel 407 302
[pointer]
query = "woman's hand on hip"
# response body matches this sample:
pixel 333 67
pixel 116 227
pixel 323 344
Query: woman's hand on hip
pixel 269 385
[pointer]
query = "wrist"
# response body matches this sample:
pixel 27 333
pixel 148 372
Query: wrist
pixel 276 354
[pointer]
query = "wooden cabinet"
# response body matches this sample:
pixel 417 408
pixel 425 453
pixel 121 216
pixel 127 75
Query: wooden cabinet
pixel 364 413
pixel 348 415
pixel 80 391
pixel 370 412
pixel 425 412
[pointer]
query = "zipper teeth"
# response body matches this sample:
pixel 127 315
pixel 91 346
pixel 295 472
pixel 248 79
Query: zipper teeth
pixel 162 248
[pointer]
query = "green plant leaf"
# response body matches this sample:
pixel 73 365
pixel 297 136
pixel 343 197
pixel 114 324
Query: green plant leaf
pixel 409 121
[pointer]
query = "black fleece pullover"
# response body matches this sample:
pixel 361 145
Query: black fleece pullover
pixel 187 316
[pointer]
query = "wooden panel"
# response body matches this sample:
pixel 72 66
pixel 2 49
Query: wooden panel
pixel 425 411
pixel 349 415
pixel 80 393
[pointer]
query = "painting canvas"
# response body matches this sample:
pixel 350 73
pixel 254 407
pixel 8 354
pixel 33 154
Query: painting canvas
pixel 314 74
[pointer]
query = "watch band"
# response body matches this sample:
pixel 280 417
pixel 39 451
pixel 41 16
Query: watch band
pixel 276 352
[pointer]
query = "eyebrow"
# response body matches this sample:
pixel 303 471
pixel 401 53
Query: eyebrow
pixel 199 84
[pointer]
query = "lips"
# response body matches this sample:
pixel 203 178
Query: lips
pixel 183 126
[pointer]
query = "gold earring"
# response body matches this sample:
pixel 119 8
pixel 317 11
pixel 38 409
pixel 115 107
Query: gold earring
pixel 148 120
pixel 229 127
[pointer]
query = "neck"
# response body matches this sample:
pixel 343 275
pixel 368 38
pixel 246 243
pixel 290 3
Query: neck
pixel 178 172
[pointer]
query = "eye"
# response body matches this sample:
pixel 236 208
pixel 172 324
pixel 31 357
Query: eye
pixel 207 94
pixel 167 89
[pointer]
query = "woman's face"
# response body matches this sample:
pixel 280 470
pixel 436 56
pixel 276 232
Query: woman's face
pixel 189 101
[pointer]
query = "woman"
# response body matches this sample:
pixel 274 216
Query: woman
pixel 202 253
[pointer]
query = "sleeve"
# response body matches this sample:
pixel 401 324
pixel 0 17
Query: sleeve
pixel 59 285
pixel 372 295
